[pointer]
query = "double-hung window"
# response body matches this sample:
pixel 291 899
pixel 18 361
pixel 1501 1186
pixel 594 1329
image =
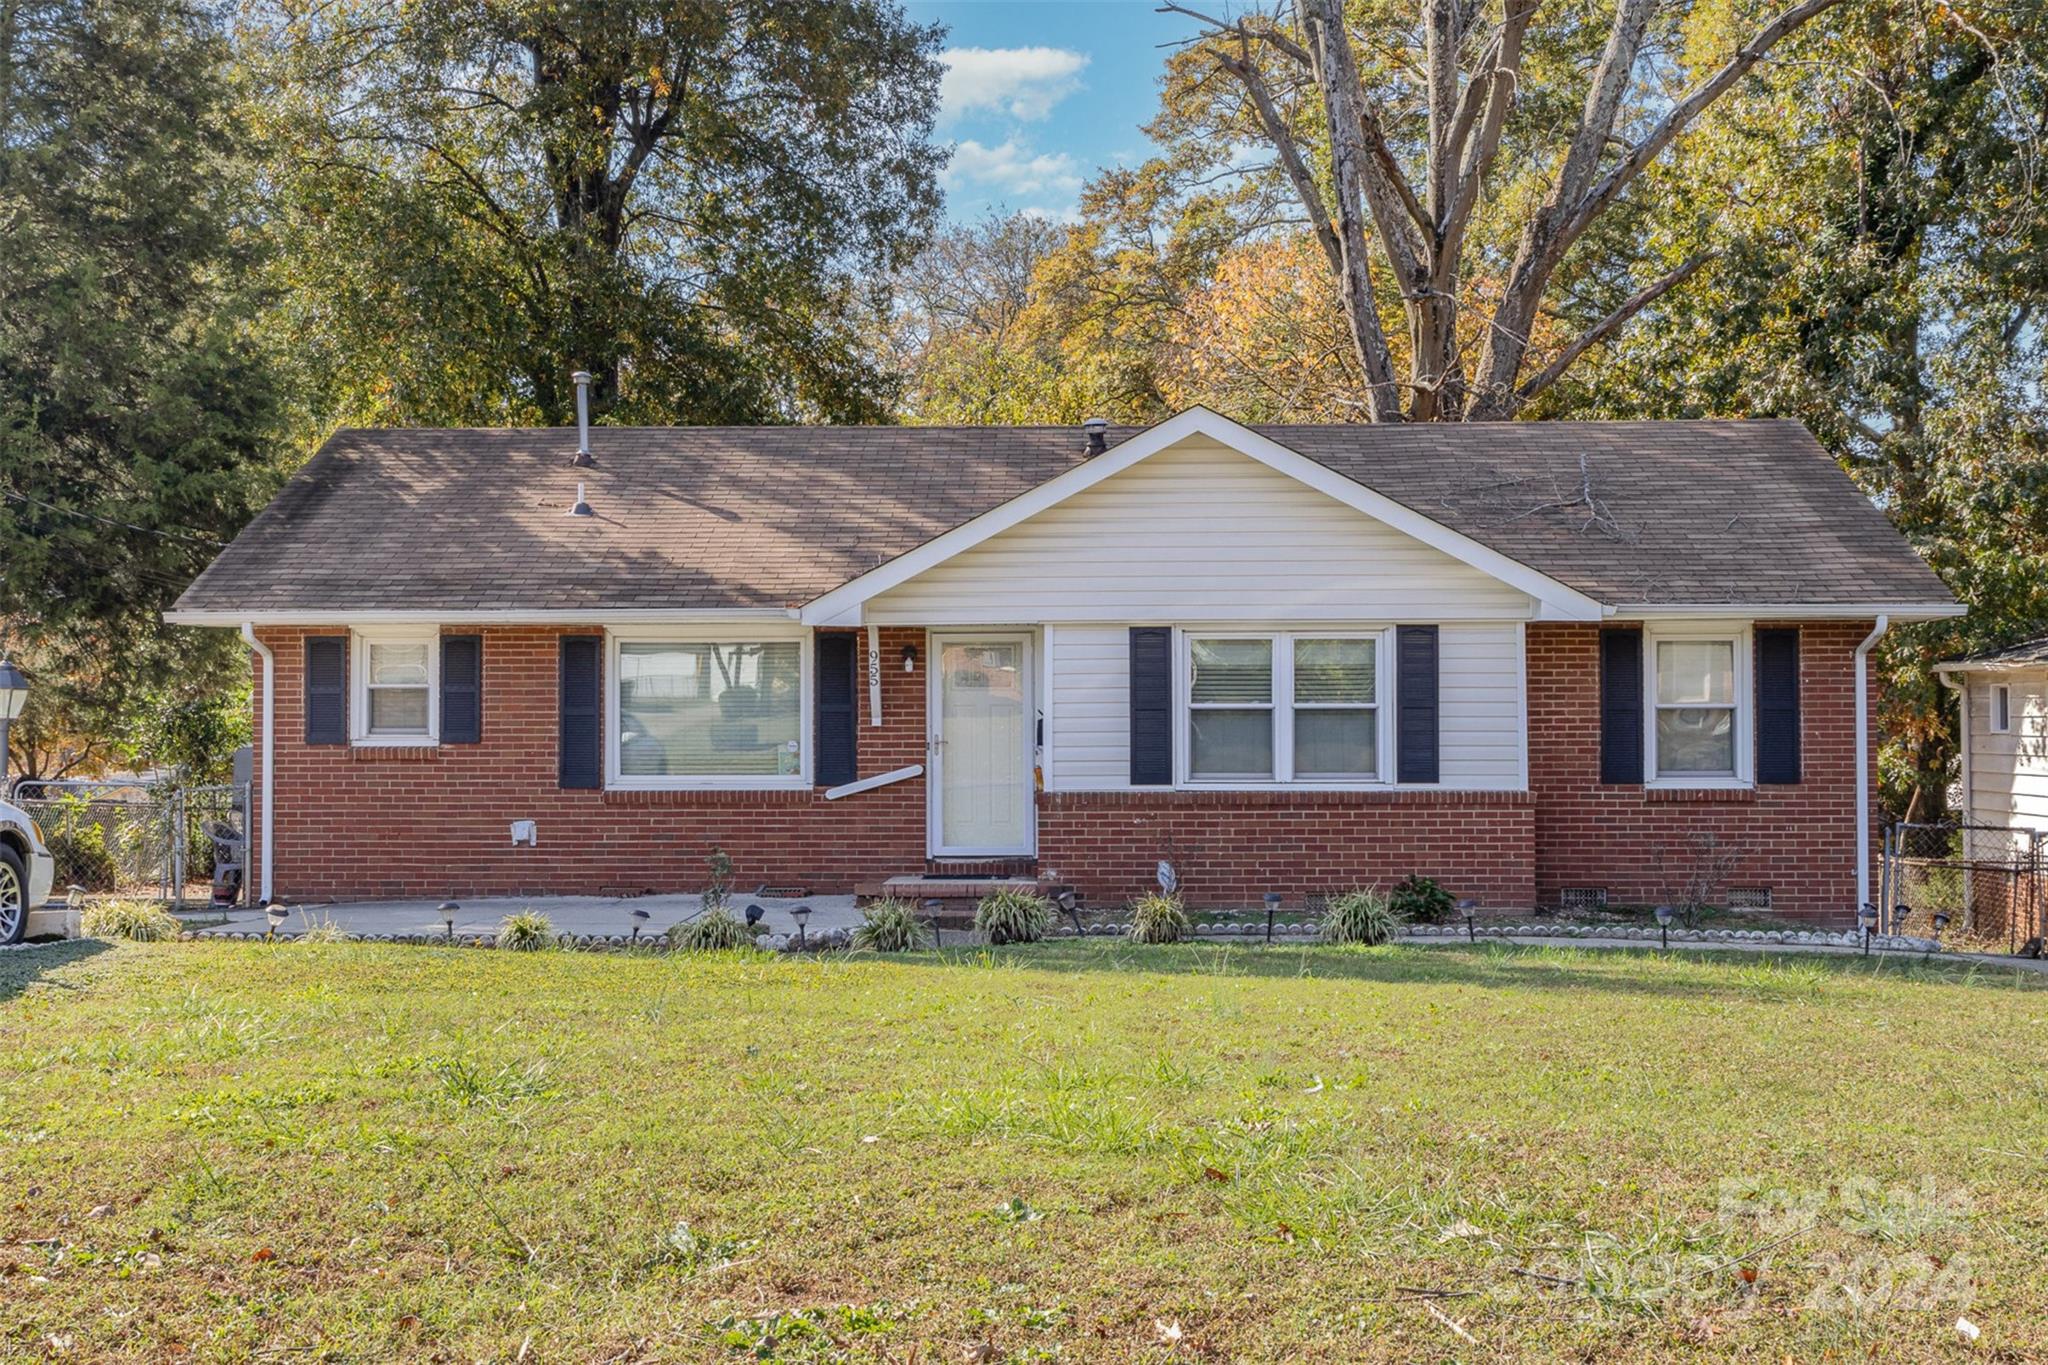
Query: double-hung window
pixel 1698 688
pixel 396 679
pixel 702 712
pixel 1283 707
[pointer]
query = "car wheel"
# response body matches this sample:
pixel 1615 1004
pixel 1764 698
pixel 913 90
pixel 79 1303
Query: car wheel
pixel 13 896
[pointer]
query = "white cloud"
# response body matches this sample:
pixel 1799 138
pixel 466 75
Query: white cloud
pixel 1014 168
pixel 1023 82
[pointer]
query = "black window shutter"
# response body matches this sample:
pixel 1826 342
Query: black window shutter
pixel 1151 706
pixel 462 689
pixel 1777 706
pixel 1415 723
pixel 327 689
pixel 837 761
pixel 582 740
pixel 1621 706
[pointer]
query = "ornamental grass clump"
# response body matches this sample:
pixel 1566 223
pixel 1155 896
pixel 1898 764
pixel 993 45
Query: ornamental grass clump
pixel 890 926
pixel 1360 917
pixel 1419 900
pixel 135 921
pixel 1159 919
pixel 529 931
pixel 1013 915
pixel 715 931
pixel 322 930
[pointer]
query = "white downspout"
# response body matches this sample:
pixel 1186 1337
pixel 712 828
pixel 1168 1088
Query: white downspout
pixel 1965 744
pixel 269 749
pixel 1884 623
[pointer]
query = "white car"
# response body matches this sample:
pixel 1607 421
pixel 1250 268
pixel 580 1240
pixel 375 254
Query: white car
pixel 26 871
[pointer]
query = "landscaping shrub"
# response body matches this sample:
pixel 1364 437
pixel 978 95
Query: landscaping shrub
pixel 136 921
pixel 714 931
pixel 890 926
pixel 1360 917
pixel 1419 900
pixel 1159 919
pixel 528 931
pixel 1013 916
pixel 323 930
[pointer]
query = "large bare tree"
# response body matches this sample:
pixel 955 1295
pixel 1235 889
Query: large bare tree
pixel 1412 193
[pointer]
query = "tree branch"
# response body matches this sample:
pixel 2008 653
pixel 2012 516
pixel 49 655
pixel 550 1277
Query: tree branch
pixel 1247 74
pixel 1607 326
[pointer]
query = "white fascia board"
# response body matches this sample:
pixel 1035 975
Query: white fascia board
pixel 596 616
pixel 1791 611
pixel 1565 602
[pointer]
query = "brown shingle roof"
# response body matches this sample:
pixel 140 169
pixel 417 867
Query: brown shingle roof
pixel 1626 512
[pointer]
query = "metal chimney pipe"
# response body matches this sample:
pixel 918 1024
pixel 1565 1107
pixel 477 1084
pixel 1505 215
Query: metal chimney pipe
pixel 1098 434
pixel 582 380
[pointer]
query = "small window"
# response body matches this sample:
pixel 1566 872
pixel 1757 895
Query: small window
pixel 1694 696
pixel 1230 705
pixel 395 681
pixel 2001 708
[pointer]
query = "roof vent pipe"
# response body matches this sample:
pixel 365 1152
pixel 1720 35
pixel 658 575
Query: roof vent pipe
pixel 1098 434
pixel 582 507
pixel 583 460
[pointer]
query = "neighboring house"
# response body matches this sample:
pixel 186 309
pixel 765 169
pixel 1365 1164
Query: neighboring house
pixel 2003 698
pixel 1540 662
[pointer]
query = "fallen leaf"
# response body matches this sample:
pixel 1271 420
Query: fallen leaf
pixel 980 1353
pixel 1167 1334
pixel 1458 1230
pixel 1967 1330
pixel 871 1138
pixel 263 1254
pixel 59 1343
pixel 1748 1274
pixel 1211 1173
pixel 99 1210
pixel 409 1321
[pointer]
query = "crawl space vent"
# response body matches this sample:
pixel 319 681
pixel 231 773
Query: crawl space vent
pixel 1579 899
pixel 1749 898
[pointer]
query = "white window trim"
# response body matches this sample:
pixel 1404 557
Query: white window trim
pixel 359 685
pixel 739 634
pixel 1283 638
pixel 1744 704
pixel 1999 702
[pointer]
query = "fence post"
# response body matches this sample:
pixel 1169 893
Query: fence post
pixel 178 849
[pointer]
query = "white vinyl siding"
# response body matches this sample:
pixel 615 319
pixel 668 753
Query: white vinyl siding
pixel 2009 771
pixel 1479 707
pixel 1089 720
pixel 1199 532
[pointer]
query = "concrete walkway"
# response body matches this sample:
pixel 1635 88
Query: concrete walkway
pixel 570 914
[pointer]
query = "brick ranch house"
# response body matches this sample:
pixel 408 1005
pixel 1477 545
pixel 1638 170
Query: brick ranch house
pixel 1540 662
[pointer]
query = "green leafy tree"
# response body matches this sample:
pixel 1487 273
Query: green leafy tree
pixel 136 413
pixel 699 202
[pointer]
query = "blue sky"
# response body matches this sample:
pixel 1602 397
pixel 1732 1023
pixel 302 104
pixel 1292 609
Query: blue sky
pixel 1039 94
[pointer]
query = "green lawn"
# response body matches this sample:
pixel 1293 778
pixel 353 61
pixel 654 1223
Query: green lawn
pixel 229 1151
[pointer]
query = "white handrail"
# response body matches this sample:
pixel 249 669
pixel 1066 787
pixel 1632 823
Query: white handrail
pixel 868 784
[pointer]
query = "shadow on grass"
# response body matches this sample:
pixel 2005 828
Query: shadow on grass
pixel 21 968
pixel 1679 974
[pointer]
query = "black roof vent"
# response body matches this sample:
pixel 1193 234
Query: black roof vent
pixel 1098 434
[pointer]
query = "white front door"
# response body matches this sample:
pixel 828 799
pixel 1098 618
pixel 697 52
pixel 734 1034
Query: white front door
pixel 982 722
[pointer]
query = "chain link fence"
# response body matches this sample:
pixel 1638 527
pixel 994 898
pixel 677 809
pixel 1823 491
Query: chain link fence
pixel 1984 881
pixel 157 842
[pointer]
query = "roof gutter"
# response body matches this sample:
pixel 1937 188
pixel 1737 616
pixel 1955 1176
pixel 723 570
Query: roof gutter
pixel 1794 611
pixel 506 616
pixel 269 747
pixel 1863 765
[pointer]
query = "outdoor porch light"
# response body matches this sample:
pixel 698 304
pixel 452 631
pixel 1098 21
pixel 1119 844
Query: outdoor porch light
pixel 1866 917
pixel 910 658
pixel 639 916
pixel 1664 924
pixel 13 696
pixel 1272 905
pixel 1469 908
pixel 449 910
pixel 801 914
pixel 275 913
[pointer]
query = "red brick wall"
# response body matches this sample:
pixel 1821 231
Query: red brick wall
pixel 369 823
pixel 1799 840
pixel 430 822
pixel 1233 847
